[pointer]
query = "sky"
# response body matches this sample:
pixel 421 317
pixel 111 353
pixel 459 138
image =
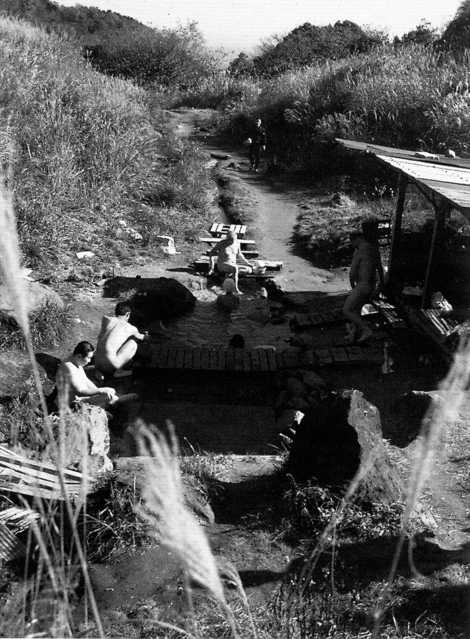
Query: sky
pixel 238 25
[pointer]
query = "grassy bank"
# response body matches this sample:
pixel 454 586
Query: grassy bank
pixel 411 96
pixel 88 151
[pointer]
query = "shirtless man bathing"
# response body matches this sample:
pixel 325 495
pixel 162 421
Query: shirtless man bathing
pixel 117 341
pixel 365 268
pixel 227 254
pixel 75 387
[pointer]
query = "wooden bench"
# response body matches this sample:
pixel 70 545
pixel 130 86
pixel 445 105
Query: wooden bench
pixel 202 265
pixel 217 229
pixel 215 240
pixel 441 324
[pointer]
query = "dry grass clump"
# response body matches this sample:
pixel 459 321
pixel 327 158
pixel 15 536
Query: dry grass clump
pixel 166 511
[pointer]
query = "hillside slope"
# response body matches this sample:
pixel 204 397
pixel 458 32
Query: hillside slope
pixel 87 153
pixel 89 23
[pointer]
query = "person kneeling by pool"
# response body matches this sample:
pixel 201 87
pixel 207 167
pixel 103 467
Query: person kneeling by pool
pixel 227 255
pixel 75 387
pixel 117 341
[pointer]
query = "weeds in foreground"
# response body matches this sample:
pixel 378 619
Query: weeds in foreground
pixel 310 508
pixel 113 523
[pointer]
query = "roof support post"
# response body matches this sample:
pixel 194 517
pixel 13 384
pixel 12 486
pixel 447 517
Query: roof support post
pixel 396 224
pixel 441 212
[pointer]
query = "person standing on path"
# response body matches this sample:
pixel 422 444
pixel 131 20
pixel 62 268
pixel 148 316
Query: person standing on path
pixel 258 144
pixel 365 267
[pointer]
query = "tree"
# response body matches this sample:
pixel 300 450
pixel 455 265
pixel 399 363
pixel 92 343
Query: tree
pixel 309 43
pixel 241 67
pixel 424 33
pixel 456 37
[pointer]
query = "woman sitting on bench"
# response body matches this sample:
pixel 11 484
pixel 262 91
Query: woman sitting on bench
pixel 226 255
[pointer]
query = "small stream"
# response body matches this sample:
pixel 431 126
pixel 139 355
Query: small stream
pixel 275 217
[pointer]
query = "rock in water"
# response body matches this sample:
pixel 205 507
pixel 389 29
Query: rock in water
pixel 340 437
pixel 86 429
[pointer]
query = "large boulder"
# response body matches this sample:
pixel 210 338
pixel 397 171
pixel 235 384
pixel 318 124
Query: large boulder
pixel 340 438
pixel 158 298
pixel 84 430
pixel 37 295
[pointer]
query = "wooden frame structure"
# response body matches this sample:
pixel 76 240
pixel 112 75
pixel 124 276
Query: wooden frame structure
pixel 445 184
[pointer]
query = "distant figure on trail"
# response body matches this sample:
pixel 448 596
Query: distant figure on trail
pixel 229 301
pixel 72 380
pixel 227 255
pixel 117 340
pixel 365 267
pixel 258 144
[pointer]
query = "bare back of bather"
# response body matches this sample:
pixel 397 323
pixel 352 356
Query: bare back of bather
pixel 116 343
pixel 227 255
pixel 364 269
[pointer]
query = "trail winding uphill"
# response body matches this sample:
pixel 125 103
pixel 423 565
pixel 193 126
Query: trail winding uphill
pixel 274 210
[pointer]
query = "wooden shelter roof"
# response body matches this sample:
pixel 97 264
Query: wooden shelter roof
pixel 447 178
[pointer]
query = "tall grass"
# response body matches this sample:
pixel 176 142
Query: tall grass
pixel 86 151
pixel 412 97
pixel 55 566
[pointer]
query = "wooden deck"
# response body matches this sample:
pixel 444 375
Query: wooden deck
pixel 253 361
pixel 301 321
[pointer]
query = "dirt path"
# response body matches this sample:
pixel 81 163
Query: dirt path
pixel 274 213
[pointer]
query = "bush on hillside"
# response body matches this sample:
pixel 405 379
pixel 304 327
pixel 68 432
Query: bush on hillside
pixel 122 46
pixel 175 58
pixel 308 43
pixel 86 152
pixel 456 36
pixel 411 97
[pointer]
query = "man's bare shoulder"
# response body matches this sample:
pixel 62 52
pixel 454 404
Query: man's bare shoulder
pixel 66 369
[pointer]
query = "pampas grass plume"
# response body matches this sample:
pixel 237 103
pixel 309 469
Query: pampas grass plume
pixel 166 511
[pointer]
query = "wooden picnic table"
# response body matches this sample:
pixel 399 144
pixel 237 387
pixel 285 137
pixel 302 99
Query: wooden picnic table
pixel 217 229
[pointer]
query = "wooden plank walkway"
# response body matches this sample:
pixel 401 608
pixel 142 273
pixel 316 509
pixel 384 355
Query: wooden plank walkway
pixel 253 361
pixel 310 320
